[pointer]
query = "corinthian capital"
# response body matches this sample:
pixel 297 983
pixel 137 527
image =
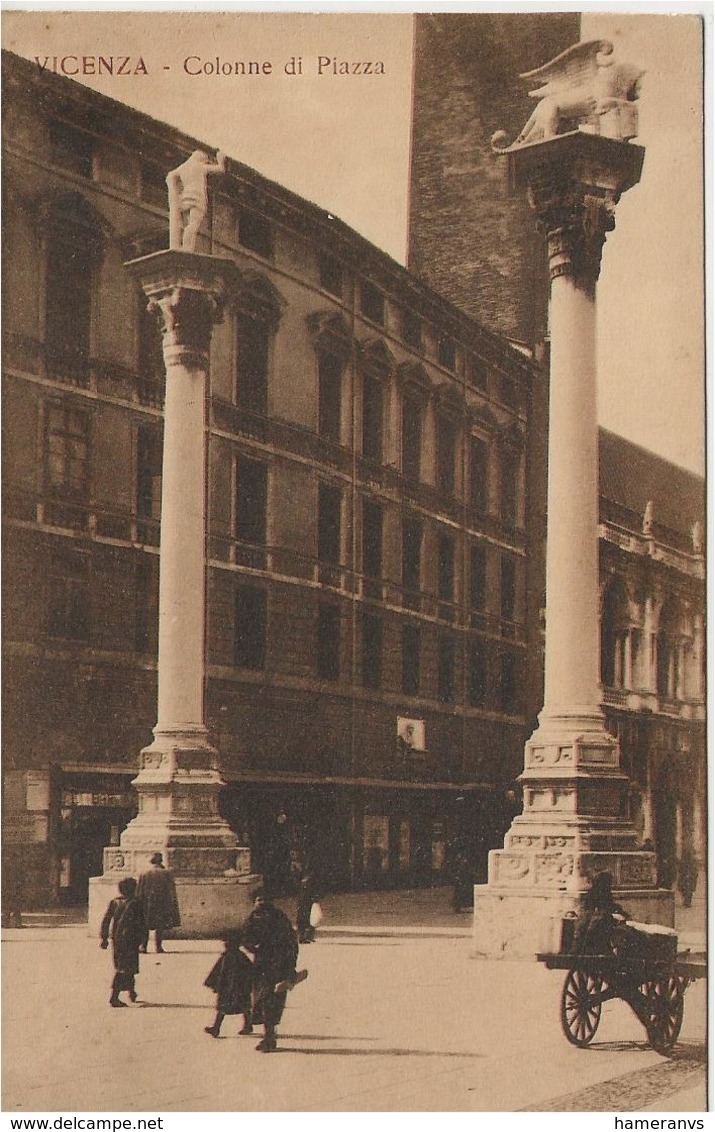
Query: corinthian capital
pixel 575 218
pixel 187 317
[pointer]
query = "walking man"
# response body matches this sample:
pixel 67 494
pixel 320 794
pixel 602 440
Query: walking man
pixel 269 935
pixel 157 896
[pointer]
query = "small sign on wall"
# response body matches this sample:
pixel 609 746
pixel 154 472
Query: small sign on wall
pixel 411 733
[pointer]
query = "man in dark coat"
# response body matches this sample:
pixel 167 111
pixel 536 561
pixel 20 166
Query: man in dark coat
pixel 123 921
pixel 269 935
pixel 159 903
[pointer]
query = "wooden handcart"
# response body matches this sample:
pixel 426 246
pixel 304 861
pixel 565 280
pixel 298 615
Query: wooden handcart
pixel 653 988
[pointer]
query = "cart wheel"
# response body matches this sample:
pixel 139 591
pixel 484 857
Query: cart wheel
pixel 665 999
pixel 581 1006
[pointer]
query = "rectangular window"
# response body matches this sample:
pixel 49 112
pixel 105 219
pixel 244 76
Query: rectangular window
pixel 372 547
pixel 255 232
pixel 445 669
pixel 250 628
pixel 446 445
pixel 68 603
pixel 72 150
pixel 330 374
pixel 251 501
pixel 67 452
pixel 478 475
pixel 149 468
pixel 373 395
pixel 445 568
pixel 446 352
pixel 509 391
pixel 328 652
pixel 411 660
pixel 371 649
pixel 509 488
pixel 153 186
pixel 477 674
pixel 411 562
pixel 251 365
pixel 68 309
pixel 411 436
pixel 477 578
pixel 412 329
pixel 372 302
pixel 508 589
pixel 330 500
pixel 510 680
pixel 331 275
pixel 477 372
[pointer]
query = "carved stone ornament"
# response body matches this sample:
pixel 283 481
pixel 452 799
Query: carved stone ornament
pixel 187 316
pixel 582 88
pixel 575 219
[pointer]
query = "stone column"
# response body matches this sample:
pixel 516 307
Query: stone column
pixel 178 782
pixel 576 815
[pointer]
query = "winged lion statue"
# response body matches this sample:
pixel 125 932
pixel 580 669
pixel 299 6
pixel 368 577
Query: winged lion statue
pixel 583 87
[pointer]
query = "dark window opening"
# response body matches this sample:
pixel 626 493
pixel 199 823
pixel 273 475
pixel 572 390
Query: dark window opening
pixel 251 501
pixel 372 303
pixel 445 669
pixel 250 628
pixel 476 674
pixel 445 568
pixel 477 372
pixel 446 352
pixel 68 603
pixel 477 578
pixel 68 308
pixel 152 372
pixel 510 679
pixel 149 469
pixel 478 475
pixel 328 656
pixel 71 149
pixel 509 489
pixel 411 436
pixel 146 605
pixel 371 547
pixel 255 232
pixel 371 649
pixel 329 523
pixel 508 589
pixel 446 445
pixel 411 562
pixel 412 329
pixel 251 365
pixel 153 186
pixel 331 275
pixel 372 413
pixel 330 373
pixel 411 660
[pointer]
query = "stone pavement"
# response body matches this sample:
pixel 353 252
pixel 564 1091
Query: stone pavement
pixel 395 1016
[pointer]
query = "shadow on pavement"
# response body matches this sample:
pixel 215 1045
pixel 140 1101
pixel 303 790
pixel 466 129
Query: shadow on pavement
pixel 374 1052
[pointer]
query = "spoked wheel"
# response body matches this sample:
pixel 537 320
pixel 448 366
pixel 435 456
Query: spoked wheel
pixel 665 1008
pixel 581 1001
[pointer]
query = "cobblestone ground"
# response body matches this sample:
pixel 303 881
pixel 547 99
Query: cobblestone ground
pixel 393 1017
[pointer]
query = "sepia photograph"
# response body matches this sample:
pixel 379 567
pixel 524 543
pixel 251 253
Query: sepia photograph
pixel 354 561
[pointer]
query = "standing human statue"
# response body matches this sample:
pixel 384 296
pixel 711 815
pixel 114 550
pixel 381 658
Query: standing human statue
pixel 188 197
pixel 156 893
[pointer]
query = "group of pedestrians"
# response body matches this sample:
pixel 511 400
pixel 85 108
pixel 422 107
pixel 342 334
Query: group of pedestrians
pixel 253 975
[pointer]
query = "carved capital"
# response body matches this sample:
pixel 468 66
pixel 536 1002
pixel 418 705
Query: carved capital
pixel 187 316
pixel 575 218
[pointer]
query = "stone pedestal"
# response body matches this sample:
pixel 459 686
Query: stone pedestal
pixel 575 820
pixel 178 781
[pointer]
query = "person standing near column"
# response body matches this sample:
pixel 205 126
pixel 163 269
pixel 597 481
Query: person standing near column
pixel 159 902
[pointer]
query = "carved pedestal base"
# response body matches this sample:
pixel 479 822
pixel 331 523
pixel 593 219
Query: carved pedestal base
pixel 519 924
pixel 178 786
pixel 209 905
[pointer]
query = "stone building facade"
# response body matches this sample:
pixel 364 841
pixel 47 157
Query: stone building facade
pixel 369 612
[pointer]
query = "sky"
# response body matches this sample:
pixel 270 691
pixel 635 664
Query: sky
pixel 343 141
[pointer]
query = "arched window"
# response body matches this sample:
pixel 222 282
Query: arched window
pixel 668 653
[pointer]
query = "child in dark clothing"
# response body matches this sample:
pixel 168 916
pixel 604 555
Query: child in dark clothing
pixel 231 978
